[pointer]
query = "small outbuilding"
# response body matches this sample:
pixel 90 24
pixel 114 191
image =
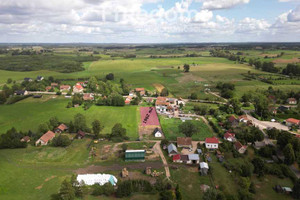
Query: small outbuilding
pixel 157 133
pixel 135 155
pixel 203 166
pixel 172 150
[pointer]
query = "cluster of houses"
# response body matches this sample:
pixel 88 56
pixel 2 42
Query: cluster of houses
pixel 134 93
pixel 165 105
pixel 192 158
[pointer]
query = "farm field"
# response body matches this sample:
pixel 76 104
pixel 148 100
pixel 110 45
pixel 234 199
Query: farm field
pixel 171 131
pixel 29 113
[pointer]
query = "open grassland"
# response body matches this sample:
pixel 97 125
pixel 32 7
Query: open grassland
pixel 171 130
pixel 29 113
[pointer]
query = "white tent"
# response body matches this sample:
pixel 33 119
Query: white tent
pixel 101 179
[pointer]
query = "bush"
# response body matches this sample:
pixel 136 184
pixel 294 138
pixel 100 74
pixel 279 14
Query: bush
pixel 61 141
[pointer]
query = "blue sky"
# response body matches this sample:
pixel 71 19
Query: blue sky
pixel 149 21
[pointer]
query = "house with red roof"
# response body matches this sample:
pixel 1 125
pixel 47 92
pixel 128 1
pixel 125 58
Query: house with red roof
pixel 47 137
pixel 141 91
pixel 88 97
pixel 77 88
pixel 61 128
pixel 177 158
pixel 229 137
pixel 212 143
pixel 239 147
pixel 65 88
pixel 233 121
pixel 128 100
pixel 292 122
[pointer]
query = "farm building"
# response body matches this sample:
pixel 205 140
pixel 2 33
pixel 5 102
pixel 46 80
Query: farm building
pixel 172 150
pixel 45 138
pixel 203 168
pixel 193 159
pixel 177 158
pixel 229 137
pixel 21 92
pixel 141 91
pixel 88 97
pixel 212 143
pixel 135 155
pixel 80 134
pixel 185 142
pixel 25 139
pixel 101 179
pixel 65 88
pixel 292 122
pixel 77 89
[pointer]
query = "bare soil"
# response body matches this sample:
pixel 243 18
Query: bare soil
pixel 188 77
pixel 285 61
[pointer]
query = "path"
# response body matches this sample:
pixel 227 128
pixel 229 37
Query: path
pixel 158 150
pixel 215 94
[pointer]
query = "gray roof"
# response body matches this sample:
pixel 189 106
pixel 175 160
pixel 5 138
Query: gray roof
pixel 199 151
pixel 204 165
pixel 171 148
pixel 193 157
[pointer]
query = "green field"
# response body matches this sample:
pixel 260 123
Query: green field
pixel 171 131
pixel 29 113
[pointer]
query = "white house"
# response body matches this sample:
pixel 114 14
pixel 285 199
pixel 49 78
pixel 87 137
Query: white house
pixel 78 88
pixel 157 133
pixel 212 143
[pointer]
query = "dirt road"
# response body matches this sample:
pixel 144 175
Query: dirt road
pixel 158 150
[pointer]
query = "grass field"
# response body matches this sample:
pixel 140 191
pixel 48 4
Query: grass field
pixel 29 113
pixel 171 131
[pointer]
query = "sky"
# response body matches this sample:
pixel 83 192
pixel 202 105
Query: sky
pixel 149 21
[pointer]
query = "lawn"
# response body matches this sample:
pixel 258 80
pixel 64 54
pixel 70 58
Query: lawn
pixel 189 180
pixel 29 113
pixel 171 130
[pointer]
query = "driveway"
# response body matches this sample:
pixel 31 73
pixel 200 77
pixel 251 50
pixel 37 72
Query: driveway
pixel 158 150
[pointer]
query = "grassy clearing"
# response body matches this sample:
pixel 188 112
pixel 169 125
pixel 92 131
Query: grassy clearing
pixel 28 114
pixel 189 182
pixel 171 131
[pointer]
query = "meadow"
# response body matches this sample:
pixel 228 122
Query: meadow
pixel 29 113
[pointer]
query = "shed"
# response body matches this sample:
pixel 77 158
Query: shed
pixel 193 158
pixel 203 168
pixel 135 155
pixel 172 149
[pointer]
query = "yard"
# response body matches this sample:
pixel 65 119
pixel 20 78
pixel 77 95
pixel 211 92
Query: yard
pixel 171 130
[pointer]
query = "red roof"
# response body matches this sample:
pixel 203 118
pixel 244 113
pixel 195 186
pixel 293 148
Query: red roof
pixel 65 87
pixel 79 87
pixel 293 121
pixel 62 127
pixel 139 89
pixel 291 99
pixel 229 135
pixel 212 140
pixel 238 145
pixel 48 136
pixel 232 118
pixel 176 157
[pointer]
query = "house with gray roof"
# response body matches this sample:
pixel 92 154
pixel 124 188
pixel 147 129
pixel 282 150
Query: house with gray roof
pixel 172 150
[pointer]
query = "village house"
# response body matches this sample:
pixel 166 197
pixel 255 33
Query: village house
pixel 184 142
pixel 292 101
pixel 135 155
pixel 229 137
pixel 177 158
pixel 157 133
pixel 39 78
pixel 292 122
pixel 77 88
pixel 239 147
pixel 80 134
pixel 212 143
pixel 193 159
pixel 161 105
pixel 47 137
pixel 203 167
pixel 61 128
pixel 53 85
pixel 48 88
pixel 25 139
pixel 233 121
pixel 243 118
pixel 28 79
pixel 141 91
pixel 172 150
pixel 65 88
pixel 88 97
pixel 21 92
pixel 83 84
pixel 128 100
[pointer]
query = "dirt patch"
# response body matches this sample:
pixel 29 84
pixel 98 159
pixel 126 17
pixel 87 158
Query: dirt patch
pixel 106 148
pixel 139 175
pixel 48 179
pixel 285 61
pixel 269 55
pixel 188 77
pixel 159 87
pixel 116 167
pixel 39 187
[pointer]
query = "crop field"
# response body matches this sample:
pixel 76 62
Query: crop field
pixel 29 113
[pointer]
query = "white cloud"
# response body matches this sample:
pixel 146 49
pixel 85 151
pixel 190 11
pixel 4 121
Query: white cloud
pixel 203 16
pixel 221 4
